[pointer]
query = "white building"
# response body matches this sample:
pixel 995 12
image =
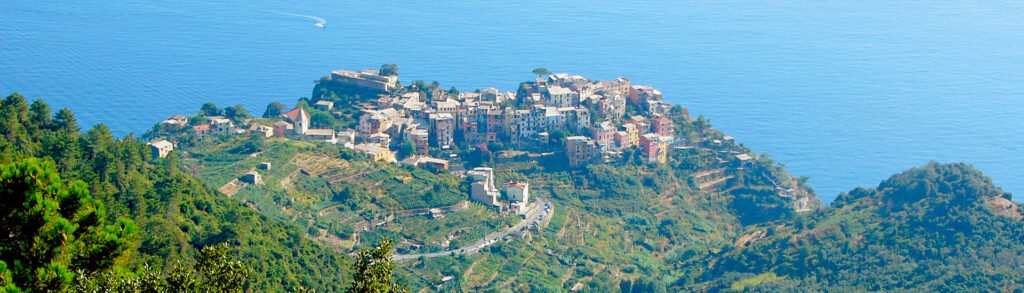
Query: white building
pixel 557 96
pixel 252 177
pixel 320 134
pixel 381 139
pixel 267 131
pixel 160 148
pixel 302 122
pixel 346 137
pixel 324 105
pixel 175 122
pixel 220 125
pixel 518 194
pixel 482 188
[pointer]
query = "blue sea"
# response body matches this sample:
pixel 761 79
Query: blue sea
pixel 845 92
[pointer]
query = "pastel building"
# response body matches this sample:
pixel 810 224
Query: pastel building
pixel 373 122
pixel 581 150
pixel 376 152
pixel 604 134
pixel 443 126
pixel 655 147
pixel 518 194
pixel 663 126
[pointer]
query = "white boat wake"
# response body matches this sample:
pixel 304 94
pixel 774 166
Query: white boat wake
pixel 320 22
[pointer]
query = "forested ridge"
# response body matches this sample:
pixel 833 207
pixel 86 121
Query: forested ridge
pixel 163 217
pixel 939 228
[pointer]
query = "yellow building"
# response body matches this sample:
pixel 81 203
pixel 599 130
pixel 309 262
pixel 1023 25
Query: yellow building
pixel 634 133
pixel 376 152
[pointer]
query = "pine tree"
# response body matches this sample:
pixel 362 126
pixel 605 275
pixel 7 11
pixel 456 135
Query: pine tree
pixel 374 270
pixel 50 232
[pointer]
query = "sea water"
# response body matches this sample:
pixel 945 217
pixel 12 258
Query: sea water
pixel 845 92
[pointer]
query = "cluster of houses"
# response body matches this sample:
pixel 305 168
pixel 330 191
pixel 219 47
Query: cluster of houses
pixel 592 112
pixel 293 124
pixel 590 116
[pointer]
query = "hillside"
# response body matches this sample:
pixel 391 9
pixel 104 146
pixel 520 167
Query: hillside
pixel 175 213
pixel 707 219
pixel 625 219
pixel 940 227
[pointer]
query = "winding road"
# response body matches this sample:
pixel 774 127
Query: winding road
pixel 532 216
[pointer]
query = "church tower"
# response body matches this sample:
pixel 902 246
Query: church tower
pixel 301 122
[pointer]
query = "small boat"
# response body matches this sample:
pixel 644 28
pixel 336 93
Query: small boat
pixel 321 24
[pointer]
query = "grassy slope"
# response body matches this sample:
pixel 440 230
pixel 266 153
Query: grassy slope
pixel 340 195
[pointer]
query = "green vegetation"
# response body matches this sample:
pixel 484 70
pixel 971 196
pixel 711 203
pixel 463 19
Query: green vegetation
pixel 389 69
pixel 54 232
pixel 209 109
pixel 236 113
pixel 174 214
pixel 373 270
pixel 541 71
pixel 335 194
pixel 274 109
pixel 627 224
pixel 91 212
pixel 214 271
pixel 941 227
pixel 742 285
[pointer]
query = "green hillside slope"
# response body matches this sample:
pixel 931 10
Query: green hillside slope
pixel 940 227
pixel 705 220
pixel 626 220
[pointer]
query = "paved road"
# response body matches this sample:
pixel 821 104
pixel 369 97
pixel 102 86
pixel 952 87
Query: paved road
pixel 532 216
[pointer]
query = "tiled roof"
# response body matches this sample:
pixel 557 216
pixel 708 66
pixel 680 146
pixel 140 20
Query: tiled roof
pixel 294 113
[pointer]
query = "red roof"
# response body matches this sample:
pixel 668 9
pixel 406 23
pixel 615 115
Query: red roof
pixel 294 113
pixel 664 119
pixel 201 127
pixel 521 185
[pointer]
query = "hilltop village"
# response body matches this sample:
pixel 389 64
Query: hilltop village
pixel 562 117
pixel 589 115
pixel 607 170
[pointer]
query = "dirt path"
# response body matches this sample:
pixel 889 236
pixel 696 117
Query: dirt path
pixel 232 187
pixel 469 271
pixel 347 177
pixel 286 182
pixel 561 231
pixel 523 265
pixel 707 173
pixel 711 183
pixel 661 202
pixel 493 276
pixel 572 271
